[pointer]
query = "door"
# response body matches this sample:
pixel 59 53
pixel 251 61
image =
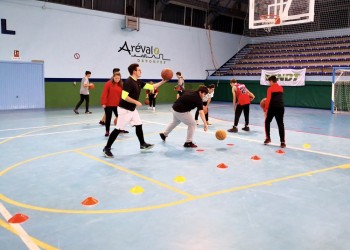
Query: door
pixel 22 85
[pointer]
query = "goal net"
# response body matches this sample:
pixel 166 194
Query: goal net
pixel 340 90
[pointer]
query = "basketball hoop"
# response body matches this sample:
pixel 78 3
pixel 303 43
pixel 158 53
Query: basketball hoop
pixel 270 19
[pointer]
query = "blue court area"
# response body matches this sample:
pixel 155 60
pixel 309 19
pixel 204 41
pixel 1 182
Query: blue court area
pixel 170 197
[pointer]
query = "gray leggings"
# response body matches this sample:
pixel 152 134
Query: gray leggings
pixel 187 119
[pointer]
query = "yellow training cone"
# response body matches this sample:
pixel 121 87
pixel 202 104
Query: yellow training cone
pixel 137 190
pixel 179 179
pixel 307 145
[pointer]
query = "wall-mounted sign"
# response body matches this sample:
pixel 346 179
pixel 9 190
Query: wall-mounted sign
pixel 16 55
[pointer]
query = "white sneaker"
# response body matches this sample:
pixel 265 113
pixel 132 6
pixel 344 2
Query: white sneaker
pixel 154 109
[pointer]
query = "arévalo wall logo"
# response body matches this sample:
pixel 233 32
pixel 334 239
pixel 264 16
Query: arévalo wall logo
pixel 143 53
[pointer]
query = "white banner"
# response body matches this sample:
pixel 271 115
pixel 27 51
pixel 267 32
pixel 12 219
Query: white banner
pixel 285 77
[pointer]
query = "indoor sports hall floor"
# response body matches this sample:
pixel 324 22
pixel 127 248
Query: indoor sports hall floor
pixel 51 161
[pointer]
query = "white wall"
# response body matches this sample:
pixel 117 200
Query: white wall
pixel 54 33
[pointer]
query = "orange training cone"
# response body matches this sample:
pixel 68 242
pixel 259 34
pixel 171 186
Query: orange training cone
pixel 230 144
pixel 255 158
pixel 200 150
pixel 18 218
pixel 280 151
pixel 222 165
pixel 90 201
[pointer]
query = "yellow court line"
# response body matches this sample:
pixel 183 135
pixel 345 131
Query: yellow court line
pixel 29 160
pixel 44 156
pixel 136 174
pixel 22 234
pixel 178 202
pixel 270 182
pixel 39 243
pixel 21 135
pixel 87 211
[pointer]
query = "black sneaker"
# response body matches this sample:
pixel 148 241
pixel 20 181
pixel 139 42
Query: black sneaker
pixel 124 131
pixel 76 111
pixel 106 134
pixel 267 141
pixel 107 152
pixel 234 129
pixel 162 135
pixel 246 128
pixel 102 123
pixel 146 146
pixel 283 145
pixel 88 112
pixel 190 145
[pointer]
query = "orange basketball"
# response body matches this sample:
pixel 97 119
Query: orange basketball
pixel 91 86
pixel 167 74
pixel 220 134
pixel 146 101
pixel 262 103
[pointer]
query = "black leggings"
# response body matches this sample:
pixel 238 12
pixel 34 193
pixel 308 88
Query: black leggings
pixel 108 112
pixel 152 100
pixel 238 112
pixel 278 113
pixel 206 115
pixel 113 136
pixel 82 98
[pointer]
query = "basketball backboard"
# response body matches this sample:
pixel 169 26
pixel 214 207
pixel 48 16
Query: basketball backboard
pixel 270 13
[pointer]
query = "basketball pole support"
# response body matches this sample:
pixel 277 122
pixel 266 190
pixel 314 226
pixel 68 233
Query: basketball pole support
pixel 333 87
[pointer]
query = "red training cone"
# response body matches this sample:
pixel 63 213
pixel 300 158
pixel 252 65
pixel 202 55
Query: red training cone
pixel 18 218
pixel 255 158
pixel 222 165
pixel 90 201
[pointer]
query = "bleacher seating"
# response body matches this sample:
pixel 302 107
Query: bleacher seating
pixel 318 56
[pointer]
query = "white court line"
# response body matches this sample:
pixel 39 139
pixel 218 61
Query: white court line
pixel 52 133
pixel 47 126
pixel 20 231
pixel 259 141
pixel 185 127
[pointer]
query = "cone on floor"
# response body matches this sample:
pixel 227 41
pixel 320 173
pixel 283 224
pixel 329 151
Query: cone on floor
pixel 18 218
pixel 137 190
pixel 179 179
pixel 222 165
pixel 255 158
pixel 89 201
